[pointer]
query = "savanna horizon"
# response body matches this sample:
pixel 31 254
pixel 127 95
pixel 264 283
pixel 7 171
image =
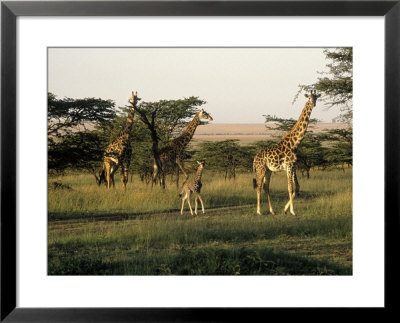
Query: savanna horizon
pixel 247 133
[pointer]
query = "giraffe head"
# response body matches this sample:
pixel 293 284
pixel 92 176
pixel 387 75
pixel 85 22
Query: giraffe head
pixel 201 163
pixel 204 115
pixel 133 99
pixel 312 97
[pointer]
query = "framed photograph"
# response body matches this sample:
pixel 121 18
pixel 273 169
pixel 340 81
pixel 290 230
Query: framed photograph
pixel 203 159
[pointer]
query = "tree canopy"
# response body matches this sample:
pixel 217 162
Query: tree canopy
pixel 336 84
pixel 67 115
pixel 80 129
pixel 282 124
pixel 225 156
pixel 73 141
pixel 163 120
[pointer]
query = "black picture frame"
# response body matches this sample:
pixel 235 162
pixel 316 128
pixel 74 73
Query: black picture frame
pixel 10 10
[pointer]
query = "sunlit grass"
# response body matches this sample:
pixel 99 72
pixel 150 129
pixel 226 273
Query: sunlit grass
pixel 141 232
pixel 86 197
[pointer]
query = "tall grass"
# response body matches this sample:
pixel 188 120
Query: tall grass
pixel 141 232
pixel 86 197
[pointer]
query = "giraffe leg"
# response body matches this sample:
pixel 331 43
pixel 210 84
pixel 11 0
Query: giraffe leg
pixel 296 182
pixel 195 204
pixel 183 203
pixel 160 174
pixel 290 203
pixel 124 176
pixel 180 164
pixel 162 180
pixel 108 175
pixel 260 174
pixel 155 174
pixel 102 176
pixel 266 189
pixel 190 206
pixel 113 169
pixel 201 201
pixel 290 190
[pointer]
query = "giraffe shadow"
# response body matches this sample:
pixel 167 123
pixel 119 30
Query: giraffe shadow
pixel 204 261
pixel 232 200
pixel 282 195
pixel 101 216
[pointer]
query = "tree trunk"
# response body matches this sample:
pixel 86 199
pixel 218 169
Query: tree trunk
pixel 157 157
pixel 154 138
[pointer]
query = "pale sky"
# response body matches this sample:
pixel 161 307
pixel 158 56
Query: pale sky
pixel 239 84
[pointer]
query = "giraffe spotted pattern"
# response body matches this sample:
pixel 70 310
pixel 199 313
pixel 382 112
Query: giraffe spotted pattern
pixel 193 186
pixel 282 157
pixel 173 154
pixel 119 152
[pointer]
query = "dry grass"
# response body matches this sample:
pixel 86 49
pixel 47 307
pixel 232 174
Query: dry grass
pixel 93 231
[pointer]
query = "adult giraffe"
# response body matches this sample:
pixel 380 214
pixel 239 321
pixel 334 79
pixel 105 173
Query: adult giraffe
pixel 119 152
pixel 174 152
pixel 282 157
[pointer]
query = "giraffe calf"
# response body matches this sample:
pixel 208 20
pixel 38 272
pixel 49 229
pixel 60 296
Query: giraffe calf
pixel 193 186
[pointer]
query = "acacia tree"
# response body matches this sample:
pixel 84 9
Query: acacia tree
pixel 341 150
pixel 310 154
pixel 164 119
pixel 142 153
pixel 66 116
pixel 336 85
pixel 225 156
pixel 284 125
pixel 74 140
pixel 80 151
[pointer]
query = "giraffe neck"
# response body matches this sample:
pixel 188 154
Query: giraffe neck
pixel 294 137
pixel 187 135
pixel 120 146
pixel 199 171
pixel 126 130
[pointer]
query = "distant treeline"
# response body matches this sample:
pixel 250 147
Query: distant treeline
pixel 73 145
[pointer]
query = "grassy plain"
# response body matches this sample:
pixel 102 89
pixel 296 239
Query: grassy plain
pixel 95 232
pixel 250 133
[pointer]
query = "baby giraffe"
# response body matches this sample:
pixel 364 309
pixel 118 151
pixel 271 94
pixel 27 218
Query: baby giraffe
pixel 194 186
